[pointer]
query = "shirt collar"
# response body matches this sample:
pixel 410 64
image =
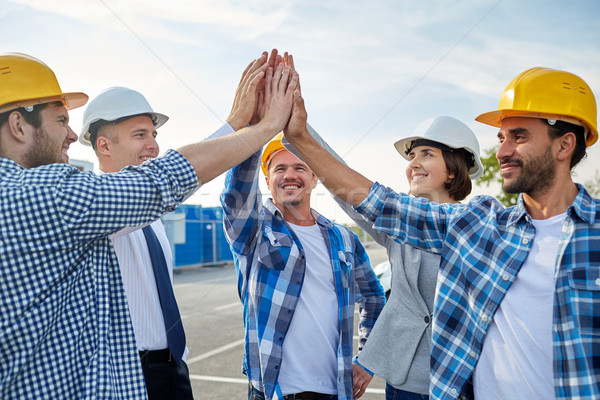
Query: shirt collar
pixel 517 212
pixel 8 164
pixel 583 206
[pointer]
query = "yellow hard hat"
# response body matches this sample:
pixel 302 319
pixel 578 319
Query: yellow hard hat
pixel 272 148
pixel 549 94
pixel 26 81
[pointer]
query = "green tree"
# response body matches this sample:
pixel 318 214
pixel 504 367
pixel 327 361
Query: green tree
pixel 491 174
pixel 593 185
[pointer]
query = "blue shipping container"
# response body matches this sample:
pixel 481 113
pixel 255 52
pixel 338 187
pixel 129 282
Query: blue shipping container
pixel 205 241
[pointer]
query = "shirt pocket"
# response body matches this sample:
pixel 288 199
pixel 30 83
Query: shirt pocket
pixel 274 250
pixel 585 299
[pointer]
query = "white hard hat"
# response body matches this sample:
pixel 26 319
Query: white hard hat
pixel 115 103
pixel 447 131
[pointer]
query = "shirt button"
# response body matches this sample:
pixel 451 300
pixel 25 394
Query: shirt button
pixel 484 318
pixel 453 392
pixel 473 354
pixel 280 338
pixel 598 281
pixel 427 319
pixel 525 241
pixel 505 277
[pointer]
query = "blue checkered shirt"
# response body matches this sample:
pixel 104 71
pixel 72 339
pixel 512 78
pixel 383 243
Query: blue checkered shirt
pixel 65 331
pixel 270 265
pixel 483 245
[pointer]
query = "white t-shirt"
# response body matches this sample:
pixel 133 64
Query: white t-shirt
pixel 309 353
pixel 516 361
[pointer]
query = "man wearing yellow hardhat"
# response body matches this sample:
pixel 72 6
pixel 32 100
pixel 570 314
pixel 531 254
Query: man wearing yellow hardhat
pixel 64 325
pixel 299 276
pixel 517 310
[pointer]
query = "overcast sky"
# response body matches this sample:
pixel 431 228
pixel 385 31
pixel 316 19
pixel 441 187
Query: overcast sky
pixel 371 71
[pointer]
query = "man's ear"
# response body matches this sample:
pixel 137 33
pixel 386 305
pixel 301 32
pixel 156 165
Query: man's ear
pixel 104 146
pixel 315 180
pixel 268 182
pixel 18 126
pixel 566 146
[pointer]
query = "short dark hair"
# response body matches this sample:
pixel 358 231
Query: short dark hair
pixel 560 128
pixel 96 127
pixel 31 117
pixel 457 163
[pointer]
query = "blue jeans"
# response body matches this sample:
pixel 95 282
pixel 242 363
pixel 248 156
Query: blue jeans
pixel 391 393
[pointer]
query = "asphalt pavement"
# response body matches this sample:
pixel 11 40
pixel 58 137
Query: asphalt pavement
pixel 212 317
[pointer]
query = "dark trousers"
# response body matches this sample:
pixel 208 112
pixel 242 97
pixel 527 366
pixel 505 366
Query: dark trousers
pixel 391 393
pixel 165 380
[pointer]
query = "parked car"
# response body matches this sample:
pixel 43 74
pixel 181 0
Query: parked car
pixel 383 271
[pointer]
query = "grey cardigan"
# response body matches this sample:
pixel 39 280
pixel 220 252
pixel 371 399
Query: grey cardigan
pixel 399 346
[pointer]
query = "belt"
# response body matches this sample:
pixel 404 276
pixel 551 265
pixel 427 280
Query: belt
pixel 310 396
pixel 155 356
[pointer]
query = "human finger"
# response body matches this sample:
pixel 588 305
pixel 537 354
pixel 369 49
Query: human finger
pixel 285 80
pixel 272 59
pixel 268 85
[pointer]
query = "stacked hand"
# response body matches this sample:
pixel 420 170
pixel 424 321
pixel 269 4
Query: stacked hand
pixel 265 94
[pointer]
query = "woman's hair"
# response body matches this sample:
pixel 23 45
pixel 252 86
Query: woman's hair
pixel 457 163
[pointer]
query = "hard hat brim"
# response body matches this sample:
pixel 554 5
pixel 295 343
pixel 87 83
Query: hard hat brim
pixel 71 101
pixel 494 118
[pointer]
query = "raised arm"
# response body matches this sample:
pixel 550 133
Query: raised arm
pixel 341 180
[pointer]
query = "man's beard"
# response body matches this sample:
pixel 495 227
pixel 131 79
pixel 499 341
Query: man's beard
pixel 42 153
pixel 537 175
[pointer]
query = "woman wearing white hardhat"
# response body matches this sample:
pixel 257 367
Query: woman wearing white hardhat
pixel 444 157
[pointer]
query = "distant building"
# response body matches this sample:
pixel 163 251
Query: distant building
pixel 82 165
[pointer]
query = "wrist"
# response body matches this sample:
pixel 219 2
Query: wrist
pixel 235 123
pixel 355 361
pixel 269 127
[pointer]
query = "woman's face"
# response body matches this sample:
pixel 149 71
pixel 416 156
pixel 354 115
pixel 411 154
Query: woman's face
pixel 427 174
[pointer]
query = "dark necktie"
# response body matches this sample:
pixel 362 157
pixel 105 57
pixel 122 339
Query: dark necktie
pixel 173 325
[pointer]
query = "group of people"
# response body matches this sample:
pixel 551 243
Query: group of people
pixel 487 302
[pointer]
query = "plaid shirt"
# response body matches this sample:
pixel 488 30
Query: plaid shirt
pixel 483 246
pixel 270 264
pixel 65 331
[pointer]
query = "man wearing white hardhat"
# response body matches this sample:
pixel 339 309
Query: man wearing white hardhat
pixel 121 126
pixel 517 306
pixel 65 330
